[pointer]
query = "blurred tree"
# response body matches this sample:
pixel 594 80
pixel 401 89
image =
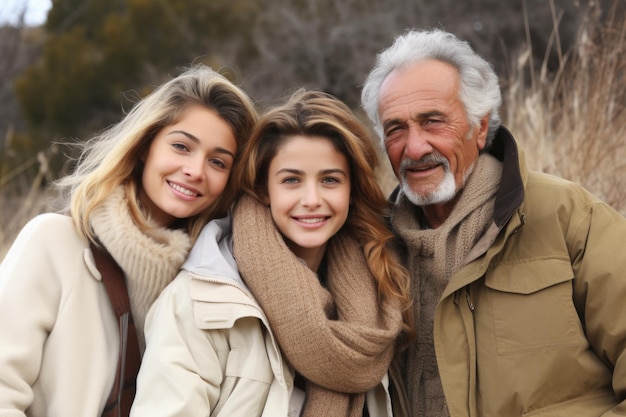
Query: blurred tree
pixel 10 45
pixel 332 44
pixel 20 45
pixel 98 50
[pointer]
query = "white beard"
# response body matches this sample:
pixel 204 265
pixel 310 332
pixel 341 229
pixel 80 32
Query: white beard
pixel 445 191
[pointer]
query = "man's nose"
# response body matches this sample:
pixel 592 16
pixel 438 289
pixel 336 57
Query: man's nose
pixel 417 144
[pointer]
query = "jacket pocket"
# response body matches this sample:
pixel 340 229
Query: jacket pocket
pixel 247 376
pixel 532 305
pixel 591 404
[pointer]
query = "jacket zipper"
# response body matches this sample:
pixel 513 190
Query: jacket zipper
pixel 468 298
pixel 468 325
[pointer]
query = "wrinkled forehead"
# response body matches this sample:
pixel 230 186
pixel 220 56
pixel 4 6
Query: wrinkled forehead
pixel 420 83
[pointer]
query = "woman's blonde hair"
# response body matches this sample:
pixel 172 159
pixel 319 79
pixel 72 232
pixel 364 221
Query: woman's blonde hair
pixel 114 156
pixel 315 113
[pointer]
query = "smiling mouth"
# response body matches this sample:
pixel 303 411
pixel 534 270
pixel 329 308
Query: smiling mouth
pixel 183 190
pixel 311 220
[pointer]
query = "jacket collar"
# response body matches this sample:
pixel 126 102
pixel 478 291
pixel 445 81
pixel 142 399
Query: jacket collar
pixel 212 253
pixel 510 195
pixel 509 199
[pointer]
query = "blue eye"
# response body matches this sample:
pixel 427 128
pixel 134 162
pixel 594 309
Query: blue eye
pixel 331 180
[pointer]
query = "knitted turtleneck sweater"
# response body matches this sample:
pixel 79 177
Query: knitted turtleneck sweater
pixel 150 260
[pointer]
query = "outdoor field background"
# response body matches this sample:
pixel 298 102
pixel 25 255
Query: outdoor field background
pixel 562 66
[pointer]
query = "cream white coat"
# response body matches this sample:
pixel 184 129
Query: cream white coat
pixel 210 351
pixel 58 355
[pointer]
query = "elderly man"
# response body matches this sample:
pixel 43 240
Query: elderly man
pixel 518 278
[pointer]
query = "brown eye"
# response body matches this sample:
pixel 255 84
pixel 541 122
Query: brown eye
pixel 218 162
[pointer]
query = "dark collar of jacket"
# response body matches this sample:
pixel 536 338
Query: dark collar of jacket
pixel 510 195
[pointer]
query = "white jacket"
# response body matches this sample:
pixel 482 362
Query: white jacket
pixel 58 334
pixel 210 350
pixel 59 337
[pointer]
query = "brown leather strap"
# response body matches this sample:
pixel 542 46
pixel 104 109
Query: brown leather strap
pixel 123 392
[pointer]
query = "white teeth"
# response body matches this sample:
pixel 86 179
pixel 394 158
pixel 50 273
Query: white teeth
pixel 315 220
pixel 182 190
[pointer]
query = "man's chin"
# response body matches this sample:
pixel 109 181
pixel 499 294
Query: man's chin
pixel 438 196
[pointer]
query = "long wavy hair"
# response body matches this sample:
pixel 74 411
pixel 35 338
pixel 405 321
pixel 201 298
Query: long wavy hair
pixel 315 113
pixel 114 156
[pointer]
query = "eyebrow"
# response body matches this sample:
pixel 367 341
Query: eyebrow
pixel 428 115
pixel 193 138
pixel 419 116
pixel 300 172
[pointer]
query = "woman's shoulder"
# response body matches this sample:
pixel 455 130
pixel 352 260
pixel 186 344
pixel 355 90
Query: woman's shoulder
pixel 51 225
pixel 48 231
pixel 48 242
pixel 53 220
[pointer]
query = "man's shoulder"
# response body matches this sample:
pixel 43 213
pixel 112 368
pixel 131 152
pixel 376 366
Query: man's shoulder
pixel 541 184
pixel 549 193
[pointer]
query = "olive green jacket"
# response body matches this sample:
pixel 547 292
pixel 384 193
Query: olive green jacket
pixel 534 324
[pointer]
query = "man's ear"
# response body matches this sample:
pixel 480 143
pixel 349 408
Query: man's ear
pixel 481 138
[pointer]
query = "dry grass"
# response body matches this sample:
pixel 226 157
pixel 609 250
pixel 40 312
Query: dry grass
pixel 572 123
pixel 23 194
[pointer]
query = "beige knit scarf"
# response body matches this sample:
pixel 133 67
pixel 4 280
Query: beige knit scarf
pixel 341 339
pixel 150 260
pixel 433 256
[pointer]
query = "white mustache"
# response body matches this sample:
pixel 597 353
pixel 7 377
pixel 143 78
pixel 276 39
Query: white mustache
pixel 430 159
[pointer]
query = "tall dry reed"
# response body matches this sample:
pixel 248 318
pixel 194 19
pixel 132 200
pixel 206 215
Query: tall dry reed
pixel 572 122
pixel 23 193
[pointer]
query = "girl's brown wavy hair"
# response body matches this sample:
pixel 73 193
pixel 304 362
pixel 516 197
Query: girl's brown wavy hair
pixel 315 113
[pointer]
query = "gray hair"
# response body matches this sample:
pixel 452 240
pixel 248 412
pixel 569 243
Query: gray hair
pixel 479 92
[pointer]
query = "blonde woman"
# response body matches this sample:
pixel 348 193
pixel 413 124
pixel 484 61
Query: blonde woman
pixel 142 190
pixel 298 309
